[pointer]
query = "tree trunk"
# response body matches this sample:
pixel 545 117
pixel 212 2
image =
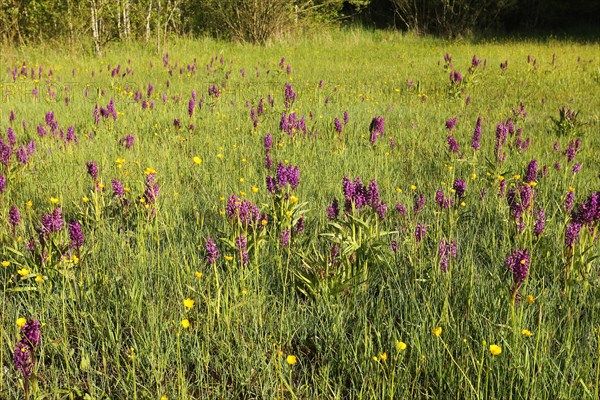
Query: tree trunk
pixel 148 22
pixel 95 27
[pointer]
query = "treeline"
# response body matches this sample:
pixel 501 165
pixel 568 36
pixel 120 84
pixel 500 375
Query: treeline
pixel 258 21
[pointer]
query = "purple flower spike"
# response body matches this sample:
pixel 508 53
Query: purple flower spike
pixel 191 107
pixel 151 192
pixel 518 262
pixel 446 251
pixel 212 252
pixel 455 77
pixel 337 125
pixel 420 232
pixel 14 216
pixel 451 123
pixel 30 333
pixel 532 170
pixel 460 186
pixel 127 141
pixel 241 245
pixel 476 142
pixel 572 233
pixel 540 223
pixel 92 169
pixel 401 209
pixel 76 235
pixel 377 128
pixel 452 144
pixel 284 239
pixel 23 358
pixel 118 190
pixel 333 210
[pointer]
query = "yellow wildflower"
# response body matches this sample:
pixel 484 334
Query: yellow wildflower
pixel 400 346
pixel 291 360
pixel 526 332
pixel 197 160
pixel 21 321
pixel 530 299
pixel 39 279
pixel 437 331
pixel 198 274
pixel 188 303
pixel 185 323
pixel 5 263
pixel 495 349
pixel 254 189
pixel 53 200
pixel 23 272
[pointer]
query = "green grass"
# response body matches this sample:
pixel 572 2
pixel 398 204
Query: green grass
pixel 111 323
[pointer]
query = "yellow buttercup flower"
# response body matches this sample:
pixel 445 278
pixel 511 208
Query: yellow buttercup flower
pixel 149 171
pixel 85 199
pixel 383 356
pixel 219 155
pixel 398 190
pixel 53 200
pixel 197 160
pixel 188 303
pixel 400 346
pixel 413 187
pixel 473 176
pixel 164 397
pixel 39 279
pixel 437 331
pixel 198 274
pixel 29 204
pixel 185 323
pixel 23 272
pixel 291 360
pixel 527 333
pixel 495 349
pixel 5 263
pixel 293 199
pixel 228 258
pixel 21 321
pixel 254 189
pixel 530 299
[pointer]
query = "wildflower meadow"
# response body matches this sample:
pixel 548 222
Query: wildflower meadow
pixel 354 215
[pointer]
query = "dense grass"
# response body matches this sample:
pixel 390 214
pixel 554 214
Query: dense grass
pixel 111 321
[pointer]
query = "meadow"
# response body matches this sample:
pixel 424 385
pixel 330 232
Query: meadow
pixel 353 215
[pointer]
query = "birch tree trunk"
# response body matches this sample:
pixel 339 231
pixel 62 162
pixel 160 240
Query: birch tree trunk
pixel 95 27
pixel 148 22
